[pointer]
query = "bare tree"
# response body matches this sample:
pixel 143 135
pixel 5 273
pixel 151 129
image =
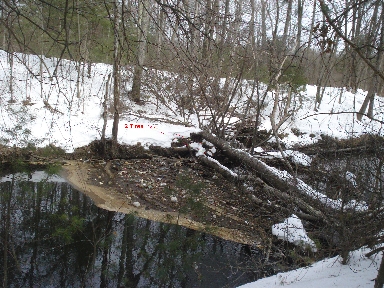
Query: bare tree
pixel 142 27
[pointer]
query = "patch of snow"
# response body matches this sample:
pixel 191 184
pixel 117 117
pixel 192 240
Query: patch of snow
pixel 197 147
pixel 208 143
pixel 258 150
pixel 327 273
pixel 292 230
pixel 349 176
pixel 299 158
pixel 222 166
pixel 296 157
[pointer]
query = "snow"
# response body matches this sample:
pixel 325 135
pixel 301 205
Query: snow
pixel 258 150
pixel 296 156
pixel 292 230
pixel 197 147
pixel 222 166
pixel 79 121
pixel 349 176
pixel 329 272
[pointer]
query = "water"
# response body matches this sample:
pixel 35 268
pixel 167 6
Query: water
pixel 54 236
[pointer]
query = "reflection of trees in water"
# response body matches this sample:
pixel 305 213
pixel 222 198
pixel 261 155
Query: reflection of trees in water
pixel 52 235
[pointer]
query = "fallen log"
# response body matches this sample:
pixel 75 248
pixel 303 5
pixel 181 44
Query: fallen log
pixel 311 213
pixel 261 169
pixel 210 162
pixel 283 187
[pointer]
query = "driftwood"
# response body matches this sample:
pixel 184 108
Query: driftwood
pixel 269 182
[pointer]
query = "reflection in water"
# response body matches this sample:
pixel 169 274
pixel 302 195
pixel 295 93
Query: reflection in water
pixel 53 236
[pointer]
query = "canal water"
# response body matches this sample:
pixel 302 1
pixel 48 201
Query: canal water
pixel 54 236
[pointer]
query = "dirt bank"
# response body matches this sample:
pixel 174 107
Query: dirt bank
pixel 82 177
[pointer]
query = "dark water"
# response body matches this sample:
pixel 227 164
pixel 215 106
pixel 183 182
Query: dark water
pixel 54 236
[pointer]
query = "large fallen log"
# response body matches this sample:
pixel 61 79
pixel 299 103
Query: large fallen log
pixel 262 170
pixel 312 213
pixel 283 187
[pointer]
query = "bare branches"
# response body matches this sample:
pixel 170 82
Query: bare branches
pixel 324 9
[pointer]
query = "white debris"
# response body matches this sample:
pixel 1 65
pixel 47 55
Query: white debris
pixel 292 230
pixel 136 204
pixel 173 199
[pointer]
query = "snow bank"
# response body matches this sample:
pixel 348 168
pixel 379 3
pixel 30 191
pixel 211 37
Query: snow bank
pixel 329 272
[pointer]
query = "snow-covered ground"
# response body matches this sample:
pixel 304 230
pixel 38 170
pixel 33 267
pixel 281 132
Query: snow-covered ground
pixel 360 272
pixel 78 121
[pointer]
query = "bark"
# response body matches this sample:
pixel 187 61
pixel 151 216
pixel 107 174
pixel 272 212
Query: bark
pixel 312 24
pixel 105 114
pixel 277 20
pixel 207 26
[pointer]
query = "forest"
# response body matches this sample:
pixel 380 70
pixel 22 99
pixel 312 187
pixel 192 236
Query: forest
pixel 238 77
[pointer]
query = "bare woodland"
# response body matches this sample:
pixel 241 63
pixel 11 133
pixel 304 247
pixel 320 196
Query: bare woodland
pixel 208 50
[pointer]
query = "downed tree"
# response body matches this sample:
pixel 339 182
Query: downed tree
pixel 345 225
pixel 283 181
pixel 312 213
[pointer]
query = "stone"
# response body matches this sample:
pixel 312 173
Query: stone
pixel 173 199
pixel 136 204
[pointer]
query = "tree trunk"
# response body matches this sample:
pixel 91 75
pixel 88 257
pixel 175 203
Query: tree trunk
pixel 299 23
pixel 275 184
pixel 142 49
pixel 370 98
pixel 287 24
pixel 379 281
pixel 116 76
pixel 263 23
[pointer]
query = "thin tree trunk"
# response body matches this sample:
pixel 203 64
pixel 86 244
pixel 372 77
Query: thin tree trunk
pixel 370 98
pixel 299 23
pixel 143 28
pixel 116 76
pixel 312 24
pixel 379 281
pixel 263 23
pixel 287 22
